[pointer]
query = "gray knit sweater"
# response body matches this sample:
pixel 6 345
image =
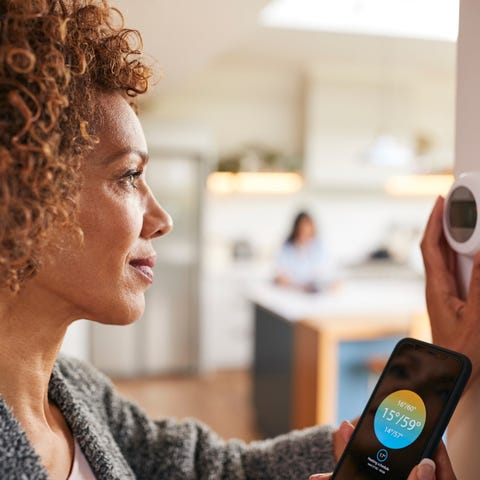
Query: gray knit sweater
pixel 120 442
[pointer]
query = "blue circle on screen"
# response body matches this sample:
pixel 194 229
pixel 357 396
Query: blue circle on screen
pixel 400 419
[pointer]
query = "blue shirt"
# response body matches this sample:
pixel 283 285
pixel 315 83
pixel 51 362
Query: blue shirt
pixel 305 264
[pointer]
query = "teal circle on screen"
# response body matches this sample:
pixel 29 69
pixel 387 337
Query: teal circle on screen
pixel 400 419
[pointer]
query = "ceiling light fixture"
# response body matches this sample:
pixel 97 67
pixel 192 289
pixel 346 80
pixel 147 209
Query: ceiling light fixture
pixel 422 19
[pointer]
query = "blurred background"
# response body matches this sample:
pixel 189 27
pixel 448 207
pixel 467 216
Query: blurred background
pixel 343 108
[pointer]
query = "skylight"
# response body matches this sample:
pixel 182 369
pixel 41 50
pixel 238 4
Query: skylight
pixel 423 19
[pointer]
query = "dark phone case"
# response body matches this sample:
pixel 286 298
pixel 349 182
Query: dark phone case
pixel 449 407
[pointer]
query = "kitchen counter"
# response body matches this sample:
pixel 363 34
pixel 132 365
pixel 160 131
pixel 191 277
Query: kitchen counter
pixel 366 296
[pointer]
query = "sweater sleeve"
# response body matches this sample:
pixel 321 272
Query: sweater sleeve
pixel 190 450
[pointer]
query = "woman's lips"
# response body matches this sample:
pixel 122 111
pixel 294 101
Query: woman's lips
pixel 144 266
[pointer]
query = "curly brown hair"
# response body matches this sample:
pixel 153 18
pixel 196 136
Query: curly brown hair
pixel 54 57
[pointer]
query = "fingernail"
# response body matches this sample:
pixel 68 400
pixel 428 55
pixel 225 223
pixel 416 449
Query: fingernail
pixel 320 475
pixel 426 470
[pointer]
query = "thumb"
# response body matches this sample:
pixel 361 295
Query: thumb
pixel 346 429
pixel 341 438
pixel 425 470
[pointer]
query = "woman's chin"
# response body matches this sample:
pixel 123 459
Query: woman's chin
pixel 120 315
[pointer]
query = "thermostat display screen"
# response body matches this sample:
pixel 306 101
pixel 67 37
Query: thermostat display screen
pixel 462 214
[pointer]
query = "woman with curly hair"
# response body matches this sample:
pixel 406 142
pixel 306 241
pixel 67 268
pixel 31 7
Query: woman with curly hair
pixel 76 223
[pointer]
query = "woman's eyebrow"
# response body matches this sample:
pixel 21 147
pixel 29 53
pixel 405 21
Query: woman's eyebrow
pixel 119 154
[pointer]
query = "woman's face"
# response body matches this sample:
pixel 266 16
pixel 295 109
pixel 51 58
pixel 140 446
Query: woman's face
pixel 305 231
pixel 104 277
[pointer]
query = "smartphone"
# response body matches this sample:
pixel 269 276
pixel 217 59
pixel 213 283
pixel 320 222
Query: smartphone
pixel 407 413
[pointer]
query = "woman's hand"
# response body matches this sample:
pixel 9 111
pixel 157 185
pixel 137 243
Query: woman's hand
pixel 440 469
pixel 455 322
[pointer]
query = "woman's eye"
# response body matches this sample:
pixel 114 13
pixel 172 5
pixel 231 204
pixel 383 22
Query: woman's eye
pixel 131 178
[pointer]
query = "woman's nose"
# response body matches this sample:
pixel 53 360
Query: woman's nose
pixel 156 221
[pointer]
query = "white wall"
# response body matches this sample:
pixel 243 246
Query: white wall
pixel 467 145
pixel 463 430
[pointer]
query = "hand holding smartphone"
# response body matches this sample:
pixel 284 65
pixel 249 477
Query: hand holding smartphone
pixel 407 413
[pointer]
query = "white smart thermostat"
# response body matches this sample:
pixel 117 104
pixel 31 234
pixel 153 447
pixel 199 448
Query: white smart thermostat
pixel 461 224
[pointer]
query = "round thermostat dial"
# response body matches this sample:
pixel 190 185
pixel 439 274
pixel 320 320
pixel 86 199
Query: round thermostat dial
pixel 461 219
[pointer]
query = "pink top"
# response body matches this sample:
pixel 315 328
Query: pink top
pixel 81 469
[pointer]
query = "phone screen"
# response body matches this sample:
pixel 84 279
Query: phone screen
pixel 408 410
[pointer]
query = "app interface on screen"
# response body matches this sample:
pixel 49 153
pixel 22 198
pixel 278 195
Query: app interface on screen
pixel 402 414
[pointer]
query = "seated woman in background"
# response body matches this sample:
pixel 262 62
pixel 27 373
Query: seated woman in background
pixel 302 262
pixel 76 231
